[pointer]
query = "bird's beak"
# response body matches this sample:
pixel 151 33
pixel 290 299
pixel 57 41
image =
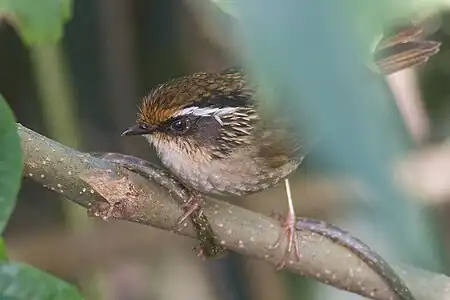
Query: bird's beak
pixel 136 130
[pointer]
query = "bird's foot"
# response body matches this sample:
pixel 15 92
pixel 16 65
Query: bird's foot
pixel 288 225
pixel 189 207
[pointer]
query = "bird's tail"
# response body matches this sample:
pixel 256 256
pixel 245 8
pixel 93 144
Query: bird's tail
pixel 404 50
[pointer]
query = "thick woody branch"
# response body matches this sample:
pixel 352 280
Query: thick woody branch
pixel 95 183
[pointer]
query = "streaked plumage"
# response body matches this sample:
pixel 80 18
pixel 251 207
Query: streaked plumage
pixel 217 154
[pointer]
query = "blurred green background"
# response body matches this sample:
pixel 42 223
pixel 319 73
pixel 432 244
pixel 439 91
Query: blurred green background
pixel 84 93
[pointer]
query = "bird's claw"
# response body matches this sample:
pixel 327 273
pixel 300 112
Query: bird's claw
pixel 288 225
pixel 189 207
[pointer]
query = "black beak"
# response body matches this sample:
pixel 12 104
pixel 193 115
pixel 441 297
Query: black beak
pixel 137 130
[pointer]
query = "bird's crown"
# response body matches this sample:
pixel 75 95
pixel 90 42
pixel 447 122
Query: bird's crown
pixel 200 94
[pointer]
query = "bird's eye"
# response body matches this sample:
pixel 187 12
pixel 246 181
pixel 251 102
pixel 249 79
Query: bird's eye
pixel 180 125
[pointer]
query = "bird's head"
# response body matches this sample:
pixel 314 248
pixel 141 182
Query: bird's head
pixel 201 116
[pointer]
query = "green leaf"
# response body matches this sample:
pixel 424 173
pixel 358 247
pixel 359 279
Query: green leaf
pixel 227 6
pixel 3 253
pixel 19 281
pixel 10 163
pixel 313 54
pixel 37 21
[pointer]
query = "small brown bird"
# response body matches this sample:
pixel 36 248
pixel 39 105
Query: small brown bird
pixel 207 130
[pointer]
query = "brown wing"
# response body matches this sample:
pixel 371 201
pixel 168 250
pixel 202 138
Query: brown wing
pixel 404 50
pixel 279 145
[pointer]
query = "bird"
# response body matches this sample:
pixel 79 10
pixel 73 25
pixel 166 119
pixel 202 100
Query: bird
pixel 208 130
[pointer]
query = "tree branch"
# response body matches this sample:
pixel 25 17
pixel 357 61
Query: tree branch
pixel 108 190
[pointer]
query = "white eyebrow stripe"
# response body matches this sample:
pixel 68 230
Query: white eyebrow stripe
pixel 218 119
pixel 215 112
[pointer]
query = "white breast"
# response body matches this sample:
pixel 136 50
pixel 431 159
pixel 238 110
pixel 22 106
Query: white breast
pixel 182 165
pixel 225 176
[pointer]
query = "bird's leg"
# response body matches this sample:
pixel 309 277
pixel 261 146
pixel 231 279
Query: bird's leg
pixel 288 224
pixel 209 245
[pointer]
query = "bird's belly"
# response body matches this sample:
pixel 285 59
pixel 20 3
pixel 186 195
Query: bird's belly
pixel 228 178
